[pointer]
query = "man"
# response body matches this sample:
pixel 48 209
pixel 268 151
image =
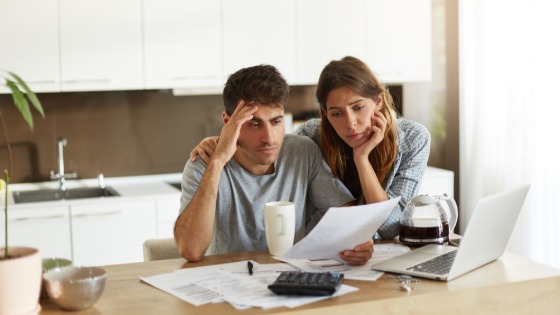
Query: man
pixel 222 201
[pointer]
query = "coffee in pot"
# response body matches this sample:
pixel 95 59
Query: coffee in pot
pixel 425 221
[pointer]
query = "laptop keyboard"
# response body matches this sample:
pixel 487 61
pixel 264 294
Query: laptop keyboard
pixel 439 265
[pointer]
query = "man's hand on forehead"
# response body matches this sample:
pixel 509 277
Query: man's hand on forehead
pixel 247 103
pixel 230 131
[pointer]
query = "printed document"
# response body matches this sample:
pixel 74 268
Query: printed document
pixel 341 228
pixel 233 284
pixel 351 272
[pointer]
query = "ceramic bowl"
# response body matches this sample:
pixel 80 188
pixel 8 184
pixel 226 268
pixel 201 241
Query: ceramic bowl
pixel 75 288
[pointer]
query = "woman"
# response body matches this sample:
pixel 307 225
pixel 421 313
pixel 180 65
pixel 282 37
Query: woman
pixel 375 154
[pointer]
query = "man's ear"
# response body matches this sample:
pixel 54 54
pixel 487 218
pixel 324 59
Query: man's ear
pixel 225 117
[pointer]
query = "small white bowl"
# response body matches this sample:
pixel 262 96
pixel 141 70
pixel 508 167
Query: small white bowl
pixel 75 288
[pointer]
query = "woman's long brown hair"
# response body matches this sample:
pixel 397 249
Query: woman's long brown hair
pixel 355 75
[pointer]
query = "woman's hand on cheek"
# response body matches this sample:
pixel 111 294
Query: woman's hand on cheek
pixel 379 126
pixel 377 132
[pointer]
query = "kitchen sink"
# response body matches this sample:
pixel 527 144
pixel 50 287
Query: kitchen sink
pixel 57 194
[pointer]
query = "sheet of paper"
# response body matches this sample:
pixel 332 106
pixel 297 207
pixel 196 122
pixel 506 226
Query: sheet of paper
pixel 253 291
pixel 341 228
pixel 382 252
pixel 307 265
pixel 192 284
pixel 186 286
pixel 385 251
pixel 365 273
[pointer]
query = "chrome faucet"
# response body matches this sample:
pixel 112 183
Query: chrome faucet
pixel 61 176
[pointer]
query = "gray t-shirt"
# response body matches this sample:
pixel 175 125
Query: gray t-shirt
pixel 300 176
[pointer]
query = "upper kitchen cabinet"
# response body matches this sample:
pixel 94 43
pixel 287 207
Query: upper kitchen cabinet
pixel 101 44
pixel 182 43
pixel 194 45
pixel 327 30
pixel 260 32
pixel 29 42
pixel 399 39
pixel 392 37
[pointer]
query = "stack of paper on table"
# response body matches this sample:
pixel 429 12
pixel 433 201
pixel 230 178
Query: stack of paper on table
pixel 232 283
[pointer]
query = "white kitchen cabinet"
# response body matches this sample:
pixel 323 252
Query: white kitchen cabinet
pixel 46 228
pixel 29 42
pixel 260 32
pixel 392 37
pixel 167 212
pixel 64 45
pixel 111 232
pixel 182 43
pixel 101 45
pixel 327 30
pixel 399 39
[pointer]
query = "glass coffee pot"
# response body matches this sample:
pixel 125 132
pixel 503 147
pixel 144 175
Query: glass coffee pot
pixel 425 221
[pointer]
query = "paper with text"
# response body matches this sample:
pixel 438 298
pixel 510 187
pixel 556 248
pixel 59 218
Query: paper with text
pixel 342 228
pixel 232 283
pixel 351 272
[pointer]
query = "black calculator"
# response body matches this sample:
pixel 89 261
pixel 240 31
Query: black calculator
pixel 307 283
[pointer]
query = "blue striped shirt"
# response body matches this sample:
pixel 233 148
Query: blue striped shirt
pixel 406 174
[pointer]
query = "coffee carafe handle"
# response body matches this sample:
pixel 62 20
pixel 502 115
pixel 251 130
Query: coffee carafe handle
pixel 453 211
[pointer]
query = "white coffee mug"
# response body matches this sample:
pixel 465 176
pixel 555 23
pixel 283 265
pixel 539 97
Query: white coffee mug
pixel 280 226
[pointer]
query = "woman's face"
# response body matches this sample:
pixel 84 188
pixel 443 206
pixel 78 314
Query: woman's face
pixel 350 115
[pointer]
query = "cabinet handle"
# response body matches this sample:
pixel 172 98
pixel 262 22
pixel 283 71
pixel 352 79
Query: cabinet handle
pixel 200 77
pixel 41 82
pixel 97 214
pixel 77 81
pixel 48 217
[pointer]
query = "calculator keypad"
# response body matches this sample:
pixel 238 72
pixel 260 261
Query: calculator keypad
pixel 307 283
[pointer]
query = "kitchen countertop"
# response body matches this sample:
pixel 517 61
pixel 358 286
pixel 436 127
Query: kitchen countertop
pixel 150 186
pixel 144 186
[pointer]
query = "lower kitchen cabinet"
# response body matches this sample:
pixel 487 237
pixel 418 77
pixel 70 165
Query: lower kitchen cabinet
pixel 45 228
pixel 111 233
pixel 167 212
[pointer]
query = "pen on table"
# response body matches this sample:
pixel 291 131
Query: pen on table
pixel 250 267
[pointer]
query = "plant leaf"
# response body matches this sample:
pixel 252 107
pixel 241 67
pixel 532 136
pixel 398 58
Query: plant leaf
pixel 30 95
pixel 21 102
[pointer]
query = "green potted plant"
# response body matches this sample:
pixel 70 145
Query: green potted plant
pixel 20 267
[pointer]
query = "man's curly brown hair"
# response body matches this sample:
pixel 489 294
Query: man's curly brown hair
pixel 261 84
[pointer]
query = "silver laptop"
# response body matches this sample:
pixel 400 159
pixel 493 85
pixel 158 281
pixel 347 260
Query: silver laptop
pixel 484 241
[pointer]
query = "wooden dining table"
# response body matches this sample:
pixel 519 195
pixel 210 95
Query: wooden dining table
pixel 509 285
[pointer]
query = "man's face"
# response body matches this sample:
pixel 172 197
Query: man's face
pixel 260 140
